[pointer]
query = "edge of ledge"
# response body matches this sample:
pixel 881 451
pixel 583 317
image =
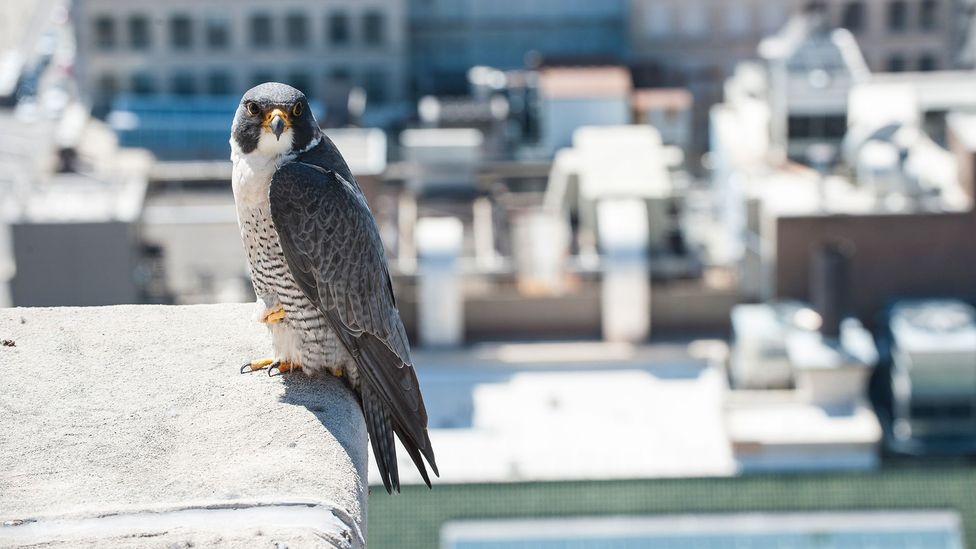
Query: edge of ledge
pixel 324 519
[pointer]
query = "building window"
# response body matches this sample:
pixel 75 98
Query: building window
pixel 182 84
pixel 339 29
pixel 181 32
pixel 301 81
pixel 296 30
pixel 139 32
pixel 375 83
pixel 928 62
pixel 853 18
pixel 218 33
pixel 928 15
pixel 143 84
pixel 373 28
pixel 105 33
pixel 896 63
pixel 261 32
pixel 219 83
pixel 898 16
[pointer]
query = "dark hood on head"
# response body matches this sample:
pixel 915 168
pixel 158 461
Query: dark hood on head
pixel 247 128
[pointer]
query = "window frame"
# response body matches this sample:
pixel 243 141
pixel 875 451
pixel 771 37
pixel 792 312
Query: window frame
pixel 133 21
pixel 343 38
pixel 175 36
pixel 374 36
pixel 257 39
pixel 897 16
pixel 296 40
pixel 106 32
pixel 217 26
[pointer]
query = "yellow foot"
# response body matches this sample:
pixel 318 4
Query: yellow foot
pixel 282 367
pixel 274 316
pixel 275 367
pixel 256 365
pixel 337 371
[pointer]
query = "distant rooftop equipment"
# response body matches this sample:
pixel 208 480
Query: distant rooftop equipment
pixel 540 242
pixel 615 162
pixel 442 158
pixel 830 287
pixel 832 371
pixel 625 294
pixel 934 369
pixel 363 148
pixel 759 359
pixel 441 303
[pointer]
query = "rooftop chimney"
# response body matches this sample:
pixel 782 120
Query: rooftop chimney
pixel 830 286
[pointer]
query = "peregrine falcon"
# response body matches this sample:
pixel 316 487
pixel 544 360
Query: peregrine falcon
pixel 319 270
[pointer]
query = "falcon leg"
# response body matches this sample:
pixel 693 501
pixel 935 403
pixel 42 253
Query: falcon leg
pixel 274 316
pixel 281 367
pixel 259 364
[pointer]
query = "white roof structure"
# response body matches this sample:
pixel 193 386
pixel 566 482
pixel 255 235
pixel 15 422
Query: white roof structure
pixel 363 148
pixel 580 410
pixel 610 162
pixel 806 43
pixel 934 91
pixel 936 326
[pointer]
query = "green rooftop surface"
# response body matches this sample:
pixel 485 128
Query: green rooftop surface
pixel 414 518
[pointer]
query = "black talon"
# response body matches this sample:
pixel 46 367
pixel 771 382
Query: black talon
pixel 246 368
pixel 274 366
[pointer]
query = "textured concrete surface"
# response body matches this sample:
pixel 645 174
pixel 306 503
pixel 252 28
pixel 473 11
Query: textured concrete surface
pixel 132 426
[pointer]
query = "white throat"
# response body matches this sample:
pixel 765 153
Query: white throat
pixel 252 171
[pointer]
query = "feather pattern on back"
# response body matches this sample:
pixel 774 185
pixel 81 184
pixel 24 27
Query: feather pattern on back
pixel 334 252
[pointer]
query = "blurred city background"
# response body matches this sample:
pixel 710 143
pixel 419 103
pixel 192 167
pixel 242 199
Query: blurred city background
pixel 678 273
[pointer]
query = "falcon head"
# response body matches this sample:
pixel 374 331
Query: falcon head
pixel 273 119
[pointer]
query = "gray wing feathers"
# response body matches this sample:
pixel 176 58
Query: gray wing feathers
pixel 333 249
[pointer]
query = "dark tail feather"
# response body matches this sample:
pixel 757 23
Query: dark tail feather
pixel 381 437
pixel 415 439
pixel 428 450
pixel 415 455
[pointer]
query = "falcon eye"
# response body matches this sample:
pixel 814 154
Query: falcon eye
pixel 297 109
pixel 251 108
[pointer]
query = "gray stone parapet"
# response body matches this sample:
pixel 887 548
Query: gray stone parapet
pixel 132 426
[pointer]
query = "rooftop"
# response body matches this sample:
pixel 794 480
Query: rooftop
pixel 566 82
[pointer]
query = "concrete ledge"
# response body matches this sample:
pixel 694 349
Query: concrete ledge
pixel 131 426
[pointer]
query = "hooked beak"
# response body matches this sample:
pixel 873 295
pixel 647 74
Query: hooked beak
pixel 277 126
pixel 277 122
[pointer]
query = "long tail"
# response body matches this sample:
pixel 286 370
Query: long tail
pixel 381 437
pixel 381 428
pixel 392 403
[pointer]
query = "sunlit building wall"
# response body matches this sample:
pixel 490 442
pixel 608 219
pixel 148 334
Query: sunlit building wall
pixel 223 47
